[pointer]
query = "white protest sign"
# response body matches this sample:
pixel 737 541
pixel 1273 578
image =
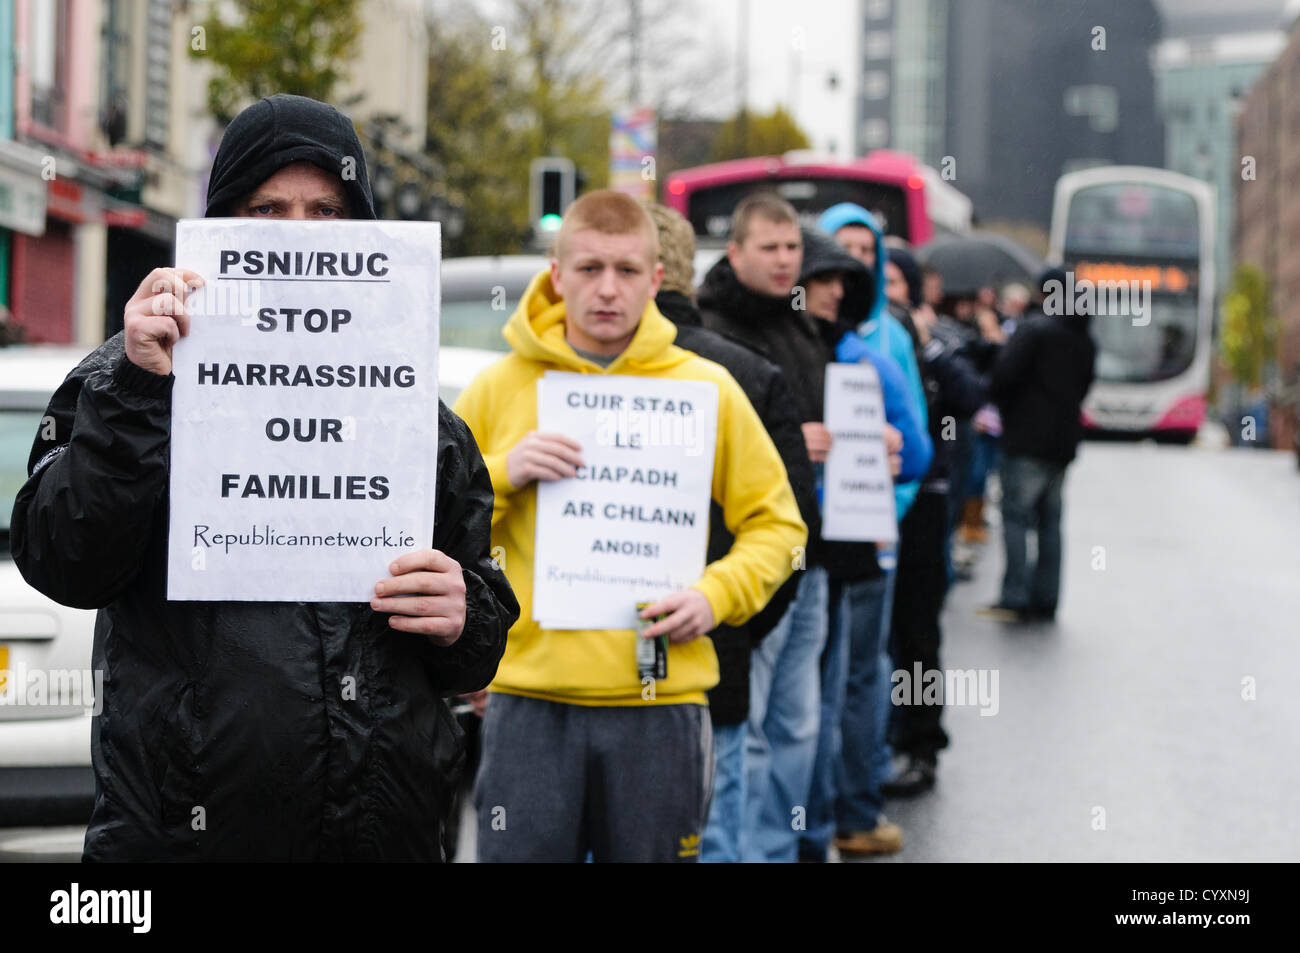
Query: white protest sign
pixel 858 491
pixel 633 526
pixel 304 438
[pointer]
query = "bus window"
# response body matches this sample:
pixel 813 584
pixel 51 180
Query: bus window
pixel 710 207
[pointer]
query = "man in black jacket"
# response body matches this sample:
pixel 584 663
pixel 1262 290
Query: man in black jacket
pixel 765 386
pixel 255 730
pixel 954 390
pixel 1039 383
pixel 748 295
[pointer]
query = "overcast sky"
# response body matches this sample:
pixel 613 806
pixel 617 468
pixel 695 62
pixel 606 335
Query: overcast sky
pixel 793 48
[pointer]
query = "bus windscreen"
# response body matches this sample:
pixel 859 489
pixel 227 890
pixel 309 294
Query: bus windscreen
pixel 709 208
pixel 1161 346
pixel 1142 236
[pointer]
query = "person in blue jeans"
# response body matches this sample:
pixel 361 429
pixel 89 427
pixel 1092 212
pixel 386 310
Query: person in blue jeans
pixel 859 234
pixel 784 721
pixel 852 761
pixel 750 295
pixel 766 387
pixel 1031 502
pixel 1039 382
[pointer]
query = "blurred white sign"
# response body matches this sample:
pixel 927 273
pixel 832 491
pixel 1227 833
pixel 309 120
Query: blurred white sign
pixel 858 491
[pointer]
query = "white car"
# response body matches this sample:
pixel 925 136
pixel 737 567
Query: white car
pixel 479 293
pixel 45 775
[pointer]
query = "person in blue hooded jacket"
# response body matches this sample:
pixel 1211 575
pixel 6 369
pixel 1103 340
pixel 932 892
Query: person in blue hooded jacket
pixel 858 233
pixel 852 760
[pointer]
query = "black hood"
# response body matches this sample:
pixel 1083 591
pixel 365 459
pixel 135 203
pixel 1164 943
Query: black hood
pixel 823 254
pixel 278 131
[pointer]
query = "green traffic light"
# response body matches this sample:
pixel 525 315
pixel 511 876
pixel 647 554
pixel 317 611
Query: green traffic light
pixel 549 223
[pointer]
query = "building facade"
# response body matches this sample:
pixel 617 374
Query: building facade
pixel 106 141
pixel 1010 95
pixel 1266 226
pixel 1200 84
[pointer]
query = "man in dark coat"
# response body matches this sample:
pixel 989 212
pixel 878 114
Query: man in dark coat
pixel 845 802
pixel 255 730
pixel 750 295
pixel 954 390
pixel 1039 383
pixel 765 386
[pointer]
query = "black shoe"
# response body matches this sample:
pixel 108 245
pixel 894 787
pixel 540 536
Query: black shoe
pixel 1039 614
pixel 917 777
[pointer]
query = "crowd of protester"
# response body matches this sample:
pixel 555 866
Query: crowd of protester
pixel 772 737
pixel 807 742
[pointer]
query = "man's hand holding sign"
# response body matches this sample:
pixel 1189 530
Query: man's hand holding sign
pixel 155 317
pixel 426 596
pixel 543 456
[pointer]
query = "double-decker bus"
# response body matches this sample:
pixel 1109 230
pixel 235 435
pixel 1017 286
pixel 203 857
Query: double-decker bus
pixel 911 200
pixel 1142 236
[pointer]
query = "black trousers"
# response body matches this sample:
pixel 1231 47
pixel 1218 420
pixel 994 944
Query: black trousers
pixel 919 591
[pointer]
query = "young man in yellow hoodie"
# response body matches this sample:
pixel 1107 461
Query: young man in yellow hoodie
pixel 577 756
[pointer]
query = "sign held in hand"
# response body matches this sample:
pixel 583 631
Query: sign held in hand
pixel 858 498
pixel 305 410
pixel 633 525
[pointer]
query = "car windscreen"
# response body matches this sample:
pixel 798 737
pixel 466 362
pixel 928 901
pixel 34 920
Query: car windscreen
pixel 17 431
pixel 476 323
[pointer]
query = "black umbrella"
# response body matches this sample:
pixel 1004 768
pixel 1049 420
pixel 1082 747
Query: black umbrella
pixel 979 259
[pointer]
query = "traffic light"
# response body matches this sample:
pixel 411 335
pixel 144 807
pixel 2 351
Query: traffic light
pixel 552 190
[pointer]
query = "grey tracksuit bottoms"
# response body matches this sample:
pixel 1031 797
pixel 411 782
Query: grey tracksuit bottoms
pixel 557 781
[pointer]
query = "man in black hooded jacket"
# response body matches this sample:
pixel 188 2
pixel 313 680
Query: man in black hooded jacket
pixel 255 730
pixel 954 390
pixel 1039 383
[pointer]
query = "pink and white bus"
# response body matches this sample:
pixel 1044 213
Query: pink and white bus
pixel 911 200
pixel 1117 226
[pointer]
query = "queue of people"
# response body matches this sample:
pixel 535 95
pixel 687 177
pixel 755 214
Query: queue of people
pixel 772 737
